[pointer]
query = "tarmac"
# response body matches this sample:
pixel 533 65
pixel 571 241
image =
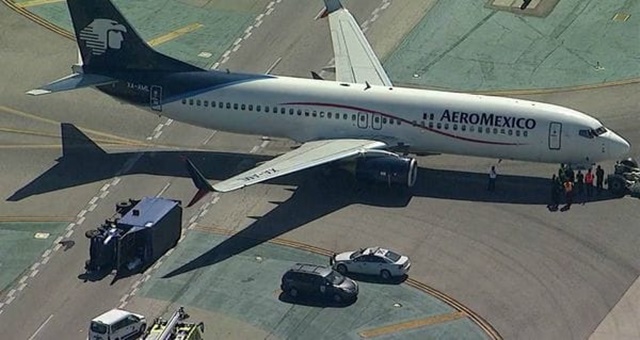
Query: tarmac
pixel 501 257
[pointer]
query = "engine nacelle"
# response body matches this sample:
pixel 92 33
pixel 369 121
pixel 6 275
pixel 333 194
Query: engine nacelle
pixel 391 169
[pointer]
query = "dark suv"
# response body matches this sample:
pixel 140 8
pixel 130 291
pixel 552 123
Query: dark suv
pixel 311 279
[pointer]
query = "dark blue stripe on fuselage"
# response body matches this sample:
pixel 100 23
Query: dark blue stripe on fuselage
pixel 136 87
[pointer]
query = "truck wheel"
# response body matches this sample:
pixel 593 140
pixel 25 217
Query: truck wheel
pixel 123 206
pixel 91 233
pixel 616 186
pixel 143 328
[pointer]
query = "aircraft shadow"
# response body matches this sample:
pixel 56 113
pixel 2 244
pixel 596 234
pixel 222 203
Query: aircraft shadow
pixel 320 191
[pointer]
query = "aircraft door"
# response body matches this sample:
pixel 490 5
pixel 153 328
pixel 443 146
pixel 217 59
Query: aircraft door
pixel 155 98
pixel 376 121
pixel 555 135
pixel 363 120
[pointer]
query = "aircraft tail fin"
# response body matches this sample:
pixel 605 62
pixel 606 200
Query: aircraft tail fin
pixel 109 44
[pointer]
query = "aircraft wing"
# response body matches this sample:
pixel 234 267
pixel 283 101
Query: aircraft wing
pixel 354 59
pixel 308 155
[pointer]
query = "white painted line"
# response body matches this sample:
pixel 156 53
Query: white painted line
pixel 193 218
pixel 264 144
pixel 58 239
pixel 275 63
pixel 46 259
pixel 124 298
pixel 82 213
pixel 93 200
pixel 22 286
pixel 269 11
pixel 105 187
pixel 224 60
pixel 35 266
pixel 235 48
pixel 157 135
pixel 46 253
pixel 271 4
pixel 56 248
pixel 9 300
pixel 215 65
pixel 171 250
pixel 157 265
pixel 209 138
pixel 169 121
pixel 133 292
pixel 104 194
pixel 136 284
pixel 259 17
pixel 158 128
pixel 80 221
pixel 215 200
pixel 68 234
pixel 11 292
pixel 192 225
pixel 226 54
pixel 254 149
pixel 206 205
pixel 1 304
pixel 22 280
pixel 34 273
pixel 163 190
pixel 92 207
pixel 248 30
pixel 41 327
pixel 69 227
pixel 115 181
pixel 122 305
pixel 204 212
pixel 237 42
pixel 147 277
pixel 258 23
pixel 246 36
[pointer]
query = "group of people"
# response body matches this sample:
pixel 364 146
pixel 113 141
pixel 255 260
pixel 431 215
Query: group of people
pixel 571 184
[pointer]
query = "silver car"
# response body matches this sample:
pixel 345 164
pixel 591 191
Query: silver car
pixel 371 261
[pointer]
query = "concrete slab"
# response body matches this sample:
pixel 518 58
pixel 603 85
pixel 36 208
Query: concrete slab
pixel 463 45
pixel 20 247
pixel 245 287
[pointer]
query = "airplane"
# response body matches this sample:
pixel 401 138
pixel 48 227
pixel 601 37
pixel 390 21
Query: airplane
pixel 360 117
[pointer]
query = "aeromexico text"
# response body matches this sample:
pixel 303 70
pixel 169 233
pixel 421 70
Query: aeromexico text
pixel 488 119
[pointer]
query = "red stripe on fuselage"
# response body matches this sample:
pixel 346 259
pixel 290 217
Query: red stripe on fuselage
pixel 402 120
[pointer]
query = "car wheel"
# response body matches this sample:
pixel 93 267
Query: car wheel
pixel 385 275
pixel 337 298
pixel 342 269
pixel 293 292
pixel 143 328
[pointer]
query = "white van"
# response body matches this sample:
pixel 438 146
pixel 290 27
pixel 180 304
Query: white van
pixel 117 324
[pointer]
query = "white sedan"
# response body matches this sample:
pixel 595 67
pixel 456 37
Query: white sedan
pixel 371 261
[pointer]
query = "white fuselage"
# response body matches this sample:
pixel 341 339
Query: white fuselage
pixel 423 121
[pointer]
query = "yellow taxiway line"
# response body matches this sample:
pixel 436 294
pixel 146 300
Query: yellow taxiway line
pixel 403 326
pixel 175 34
pixel 32 3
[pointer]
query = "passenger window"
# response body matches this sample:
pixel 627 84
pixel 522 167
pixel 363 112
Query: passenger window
pixel 206 103
pixel 228 105
pixel 190 101
pixel 430 125
pixel 479 129
pixel 291 111
pixel 220 104
pixel 314 113
pixel 517 133
pixel 306 113
pixel 455 127
pixel 463 127
pixel 353 118
pixel 243 107
pixel 344 116
pixel 328 114
pixel 235 106
pixel 525 133
pixel 502 131
pixel 283 110
pixel 299 112
pixel 424 116
pixel 258 108
pixel 198 102
pixel 487 130
pixel 250 107
pixel 431 116
pixel 472 128
pixel 510 132
pixel 391 121
pixel 184 101
pixel 398 121
pixel 446 126
pixel 495 131
pixel 384 120
pixel 321 114
pixel 439 125
pixel 266 109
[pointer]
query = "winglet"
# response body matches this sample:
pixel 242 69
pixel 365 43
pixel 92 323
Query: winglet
pixel 199 181
pixel 330 7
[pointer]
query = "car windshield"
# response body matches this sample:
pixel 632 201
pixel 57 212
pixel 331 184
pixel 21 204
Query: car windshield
pixel 356 253
pixel 98 327
pixel 335 278
pixel 394 257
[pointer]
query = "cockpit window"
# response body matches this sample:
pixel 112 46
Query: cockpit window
pixel 591 133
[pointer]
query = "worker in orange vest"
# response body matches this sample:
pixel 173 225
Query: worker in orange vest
pixel 588 182
pixel 568 194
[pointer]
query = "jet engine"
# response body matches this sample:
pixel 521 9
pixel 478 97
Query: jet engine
pixel 390 169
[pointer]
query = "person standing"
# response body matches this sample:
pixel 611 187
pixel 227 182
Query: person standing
pixel 599 179
pixel 555 194
pixel 588 182
pixel 493 174
pixel 568 194
pixel 579 183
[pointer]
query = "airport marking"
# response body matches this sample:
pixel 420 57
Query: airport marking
pixel 166 186
pixel 409 325
pixel 33 336
pixel 174 34
pixel 33 3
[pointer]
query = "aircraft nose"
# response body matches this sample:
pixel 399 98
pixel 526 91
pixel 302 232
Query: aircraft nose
pixel 618 146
